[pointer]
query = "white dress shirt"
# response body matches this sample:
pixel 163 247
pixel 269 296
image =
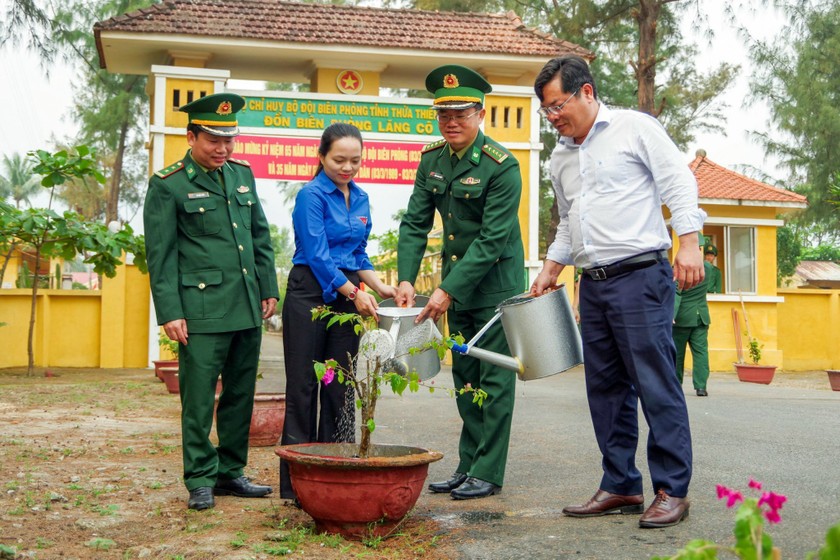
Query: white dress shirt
pixel 610 189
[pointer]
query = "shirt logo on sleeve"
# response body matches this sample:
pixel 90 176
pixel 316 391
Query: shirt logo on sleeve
pixel 363 219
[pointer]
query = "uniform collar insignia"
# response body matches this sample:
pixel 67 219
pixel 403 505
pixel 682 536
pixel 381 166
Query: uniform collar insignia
pixel 190 170
pixel 243 189
pixel 470 181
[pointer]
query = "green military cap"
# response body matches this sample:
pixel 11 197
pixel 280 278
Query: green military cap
pixel 709 249
pixel 456 87
pixel 216 113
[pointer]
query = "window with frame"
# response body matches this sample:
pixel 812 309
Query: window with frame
pixel 740 260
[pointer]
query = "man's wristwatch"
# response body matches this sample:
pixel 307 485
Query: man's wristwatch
pixel 352 295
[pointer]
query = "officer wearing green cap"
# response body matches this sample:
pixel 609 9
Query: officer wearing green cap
pixel 475 184
pixel 211 269
pixel 713 273
pixel 691 326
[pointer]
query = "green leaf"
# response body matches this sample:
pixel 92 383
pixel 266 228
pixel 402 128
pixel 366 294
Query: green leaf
pixel 371 425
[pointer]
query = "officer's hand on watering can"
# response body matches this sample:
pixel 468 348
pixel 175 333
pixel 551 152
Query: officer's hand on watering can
pixel 437 306
pixel 405 295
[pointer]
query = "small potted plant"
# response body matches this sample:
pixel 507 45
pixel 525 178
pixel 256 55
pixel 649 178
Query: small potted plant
pixel 834 379
pixel 364 490
pixel 755 372
pixel 170 349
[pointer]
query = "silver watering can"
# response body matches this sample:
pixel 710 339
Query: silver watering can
pixel 541 333
pixel 396 342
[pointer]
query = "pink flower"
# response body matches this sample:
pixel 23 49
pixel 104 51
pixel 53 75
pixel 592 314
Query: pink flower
pixel 329 375
pixel 755 484
pixel 772 516
pixel 774 501
pixel 732 496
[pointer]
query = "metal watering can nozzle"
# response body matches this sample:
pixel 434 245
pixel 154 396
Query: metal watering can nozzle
pixel 469 349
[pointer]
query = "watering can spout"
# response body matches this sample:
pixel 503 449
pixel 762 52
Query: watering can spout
pixel 507 362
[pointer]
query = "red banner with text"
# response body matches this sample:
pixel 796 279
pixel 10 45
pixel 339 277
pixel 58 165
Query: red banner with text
pixel 295 159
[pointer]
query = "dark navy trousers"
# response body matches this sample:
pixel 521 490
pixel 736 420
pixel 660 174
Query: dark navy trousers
pixel 629 358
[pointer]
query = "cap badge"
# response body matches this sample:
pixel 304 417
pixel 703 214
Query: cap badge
pixel 243 189
pixel 450 81
pixel 225 108
pixel 470 181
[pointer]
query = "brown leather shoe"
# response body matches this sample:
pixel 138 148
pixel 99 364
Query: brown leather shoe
pixel 665 511
pixel 604 503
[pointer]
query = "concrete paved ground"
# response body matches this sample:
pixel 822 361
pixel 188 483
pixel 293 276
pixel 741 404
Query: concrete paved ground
pixel 783 435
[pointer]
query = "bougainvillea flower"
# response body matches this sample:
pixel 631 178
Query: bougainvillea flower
pixel 772 516
pixel 774 501
pixel 329 375
pixel 732 496
pixel 755 484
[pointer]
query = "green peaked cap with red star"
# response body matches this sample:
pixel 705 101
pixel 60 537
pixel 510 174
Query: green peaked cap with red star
pixel 456 87
pixel 216 113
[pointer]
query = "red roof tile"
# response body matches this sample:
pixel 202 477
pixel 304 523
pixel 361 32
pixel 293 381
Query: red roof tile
pixel 716 182
pixel 327 24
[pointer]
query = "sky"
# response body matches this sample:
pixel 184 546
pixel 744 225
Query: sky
pixel 38 108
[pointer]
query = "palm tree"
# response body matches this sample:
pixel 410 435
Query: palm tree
pixel 17 180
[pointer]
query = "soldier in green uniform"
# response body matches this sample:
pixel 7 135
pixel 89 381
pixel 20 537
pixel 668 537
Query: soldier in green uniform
pixel 714 281
pixel 211 268
pixel 475 184
pixel 691 326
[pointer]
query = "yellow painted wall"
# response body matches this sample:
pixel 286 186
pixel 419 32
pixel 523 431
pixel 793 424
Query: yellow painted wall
pixel 80 328
pixel 809 329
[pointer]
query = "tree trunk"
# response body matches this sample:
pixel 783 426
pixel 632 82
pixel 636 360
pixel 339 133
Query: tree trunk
pixel 6 260
pixel 113 200
pixel 645 66
pixel 30 349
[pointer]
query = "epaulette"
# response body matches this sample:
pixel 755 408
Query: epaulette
pixel 433 146
pixel 495 153
pixel 166 172
pixel 240 162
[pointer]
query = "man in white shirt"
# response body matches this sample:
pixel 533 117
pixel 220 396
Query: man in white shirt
pixel 612 170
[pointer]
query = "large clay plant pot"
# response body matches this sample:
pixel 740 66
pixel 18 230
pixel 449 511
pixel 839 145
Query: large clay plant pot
pixel 755 373
pixel 834 379
pixel 267 419
pixel 169 375
pixel 162 364
pixel 357 498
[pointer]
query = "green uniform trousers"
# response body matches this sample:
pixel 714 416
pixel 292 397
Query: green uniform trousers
pixel 698 339
pixel 236 355
pixel 485 435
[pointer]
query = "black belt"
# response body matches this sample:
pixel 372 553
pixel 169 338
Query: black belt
pixel 627 265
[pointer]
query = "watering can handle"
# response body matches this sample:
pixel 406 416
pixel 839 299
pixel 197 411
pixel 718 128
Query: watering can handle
pixel 483 330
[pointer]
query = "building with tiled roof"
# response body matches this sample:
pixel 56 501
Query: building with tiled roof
pixel 282 41
pixel 718 185
pixel 816 274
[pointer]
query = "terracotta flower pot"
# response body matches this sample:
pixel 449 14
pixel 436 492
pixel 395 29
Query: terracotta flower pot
pixel 834 378
pixel 355 497
pixel 752 373
pixel 163 363
pixel 169 375
pixel 267 419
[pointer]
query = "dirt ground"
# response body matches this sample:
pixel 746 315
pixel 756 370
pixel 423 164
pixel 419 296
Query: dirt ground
pixel 90 467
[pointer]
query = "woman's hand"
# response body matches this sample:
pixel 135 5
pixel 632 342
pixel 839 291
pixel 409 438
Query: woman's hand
pixel 366 305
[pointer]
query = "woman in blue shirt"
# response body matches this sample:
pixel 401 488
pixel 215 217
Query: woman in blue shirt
pixel 332 223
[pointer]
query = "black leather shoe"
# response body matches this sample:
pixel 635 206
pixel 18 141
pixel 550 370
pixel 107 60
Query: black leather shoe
pixel 475 488
pixel 448 485
pixel 241 487
pixel 702 393
pixel 201 498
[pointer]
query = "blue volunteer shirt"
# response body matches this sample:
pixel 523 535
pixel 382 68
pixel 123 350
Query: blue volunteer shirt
pixel 329 236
